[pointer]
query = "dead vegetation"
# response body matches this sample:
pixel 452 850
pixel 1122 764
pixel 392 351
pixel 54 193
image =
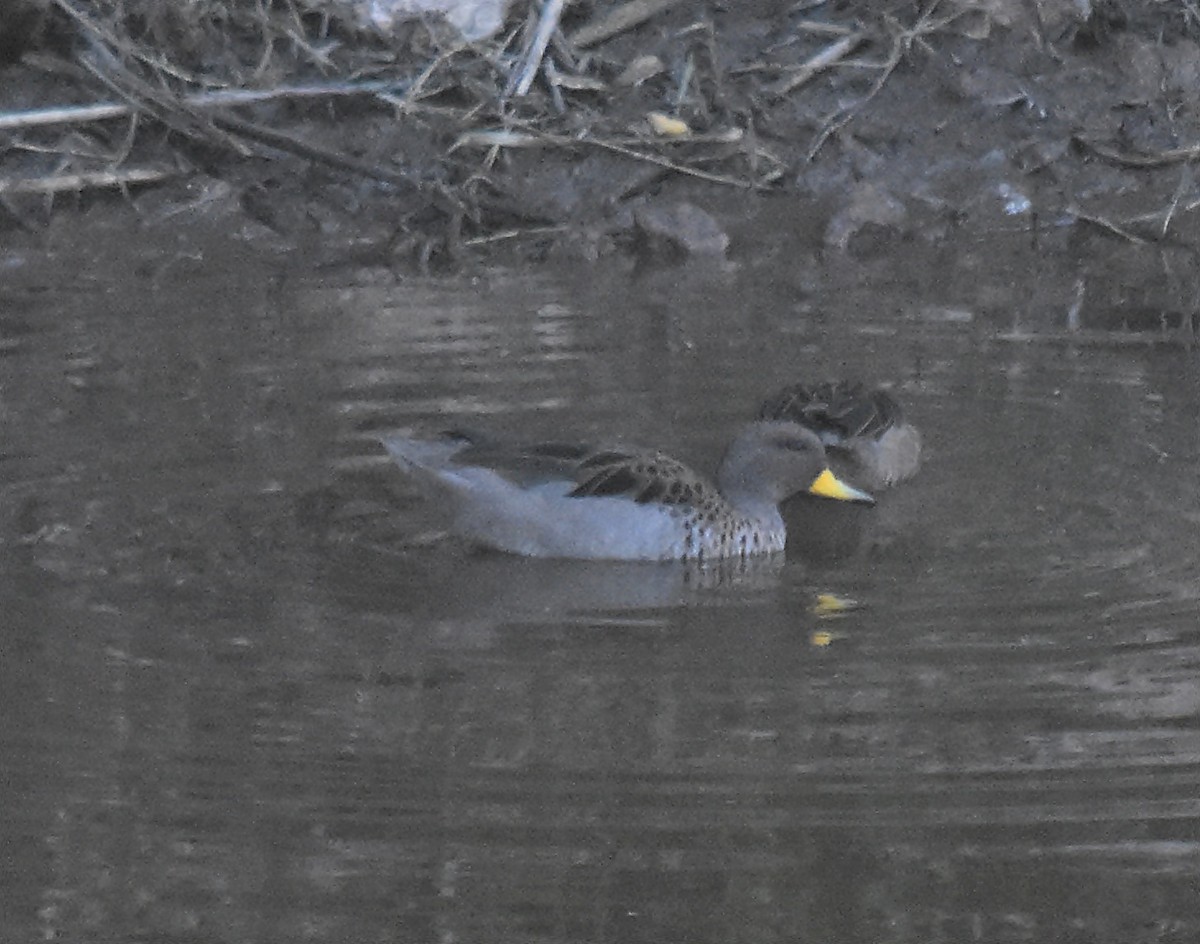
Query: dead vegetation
pixel 565 115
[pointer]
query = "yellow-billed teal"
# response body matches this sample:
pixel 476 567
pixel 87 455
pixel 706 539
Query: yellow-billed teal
pixel 864 430
pixel 577 501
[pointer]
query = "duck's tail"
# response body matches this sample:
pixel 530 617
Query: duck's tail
pixel 429 455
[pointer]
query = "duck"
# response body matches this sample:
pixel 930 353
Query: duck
pixel 864 430
pixel 574 500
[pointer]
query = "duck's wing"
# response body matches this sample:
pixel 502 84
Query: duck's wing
pixel 642 477
pixel 836 411
pixel 583 470
pixel 525 464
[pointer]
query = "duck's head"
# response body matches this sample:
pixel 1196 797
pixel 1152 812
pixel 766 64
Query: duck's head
pixel 773 460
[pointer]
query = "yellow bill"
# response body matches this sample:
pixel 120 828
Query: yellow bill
pixel 828 485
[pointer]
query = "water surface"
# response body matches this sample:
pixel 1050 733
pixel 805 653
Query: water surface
pixel 250 694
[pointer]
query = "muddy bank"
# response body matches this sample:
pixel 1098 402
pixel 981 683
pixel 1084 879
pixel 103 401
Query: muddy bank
pixel 790 132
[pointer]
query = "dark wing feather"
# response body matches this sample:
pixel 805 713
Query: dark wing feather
pixel 610 480
pixel 526 464
pixel 836 411
pixel 644 477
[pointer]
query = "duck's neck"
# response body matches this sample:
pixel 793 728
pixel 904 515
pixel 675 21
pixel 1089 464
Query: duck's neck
pixel 742 487
pixel 753 506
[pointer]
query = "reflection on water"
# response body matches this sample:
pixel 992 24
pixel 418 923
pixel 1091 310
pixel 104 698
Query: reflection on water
pixel 249 694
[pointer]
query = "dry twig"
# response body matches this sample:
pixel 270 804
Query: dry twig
pixel 829 56
pixel 60 183
pixel 652 159
pixel 902 42
pixel 1105 224
pixel 81 114
pixel 625 146
pixel 522 78
pixel 623 18
pixel 1181 155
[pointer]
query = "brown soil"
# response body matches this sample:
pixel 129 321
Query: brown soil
pixel 1075 124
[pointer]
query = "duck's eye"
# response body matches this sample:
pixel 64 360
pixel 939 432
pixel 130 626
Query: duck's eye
pixel 795 444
